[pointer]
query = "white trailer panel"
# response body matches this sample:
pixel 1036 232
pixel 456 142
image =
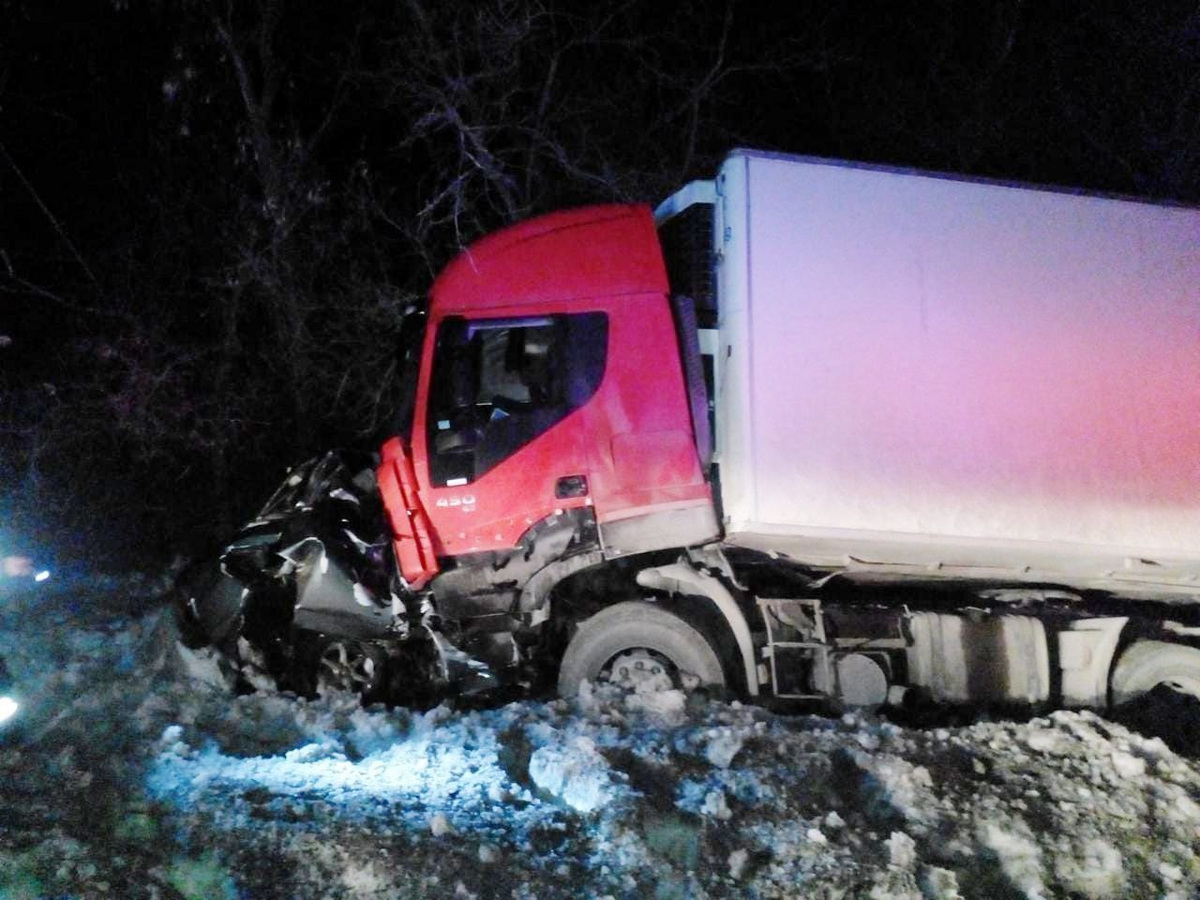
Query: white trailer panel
pixel 917 369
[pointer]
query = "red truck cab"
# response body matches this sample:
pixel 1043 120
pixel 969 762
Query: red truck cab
pixel 535 404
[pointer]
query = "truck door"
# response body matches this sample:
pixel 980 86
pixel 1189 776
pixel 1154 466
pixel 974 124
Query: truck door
pixel 502 438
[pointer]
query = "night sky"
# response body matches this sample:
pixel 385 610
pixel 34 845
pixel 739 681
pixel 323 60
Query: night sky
pixel 211 214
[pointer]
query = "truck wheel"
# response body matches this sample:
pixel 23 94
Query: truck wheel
pixel 1149 664
pixel 642 646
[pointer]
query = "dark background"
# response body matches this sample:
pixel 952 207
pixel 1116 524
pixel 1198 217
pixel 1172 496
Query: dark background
pixel 212 214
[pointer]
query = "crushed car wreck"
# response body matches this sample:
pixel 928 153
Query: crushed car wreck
pixel 306 596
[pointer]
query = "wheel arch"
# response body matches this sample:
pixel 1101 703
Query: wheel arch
pixel 680 580
pixel 640 623
pixel 1146 663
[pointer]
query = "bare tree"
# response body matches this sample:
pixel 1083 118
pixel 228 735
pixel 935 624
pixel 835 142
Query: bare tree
pixel 514 107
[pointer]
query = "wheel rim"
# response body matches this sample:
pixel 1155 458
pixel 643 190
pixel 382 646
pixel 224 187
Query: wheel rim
pixel 642 670
pixel 344 669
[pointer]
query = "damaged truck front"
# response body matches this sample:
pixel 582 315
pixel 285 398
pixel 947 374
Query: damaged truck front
pixel 813 431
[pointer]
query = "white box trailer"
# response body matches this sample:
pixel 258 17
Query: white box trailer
pixel 925 374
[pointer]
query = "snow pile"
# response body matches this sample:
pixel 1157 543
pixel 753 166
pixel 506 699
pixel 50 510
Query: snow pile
pixel 136 774
pixel 728 799
pixel 577 774
pixel 1019 856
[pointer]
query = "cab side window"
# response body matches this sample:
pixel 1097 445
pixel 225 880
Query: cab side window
pixel 500 383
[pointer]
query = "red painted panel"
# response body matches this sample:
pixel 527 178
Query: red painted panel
pixel 641 412
pixel 410 526
pixel 600 259
pixel 596 251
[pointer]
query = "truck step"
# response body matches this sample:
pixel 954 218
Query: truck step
pixel 797 652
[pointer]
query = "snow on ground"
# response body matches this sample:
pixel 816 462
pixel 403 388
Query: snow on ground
pixel 132 773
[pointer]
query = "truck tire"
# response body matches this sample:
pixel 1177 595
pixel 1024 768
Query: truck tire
pixel 1148 664
pixel 638 627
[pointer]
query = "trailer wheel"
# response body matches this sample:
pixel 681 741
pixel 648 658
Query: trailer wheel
pixel 641 645
pixel 1150 664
